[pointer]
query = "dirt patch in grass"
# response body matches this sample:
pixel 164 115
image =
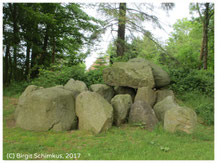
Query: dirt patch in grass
pixel 10 122
pixel 11 102
pixel 14 101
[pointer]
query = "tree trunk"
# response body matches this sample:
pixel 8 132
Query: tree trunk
pixel 206 35
pixel 6 79
pixel 204 44
pixel 35 53
pixel 54 50
pixel 16 37
pixel 34 71
pixel 27 60
pixel 202 48
pixel 121 29
pixel 42 57
pixel 11 68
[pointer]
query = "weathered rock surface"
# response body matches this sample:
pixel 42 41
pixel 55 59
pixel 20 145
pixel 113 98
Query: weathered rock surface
pixel 104 90
pixel 28 91
pixel 94 113
pixel 162 94
pixel 125 90
pixel 121 105
pixel 180 119
pixel 161 107
pixel 59 86
pixel 75 86
pixel 161 77
pixel 129 74
pixel 146 94
pixel 45 109
pixel 141 112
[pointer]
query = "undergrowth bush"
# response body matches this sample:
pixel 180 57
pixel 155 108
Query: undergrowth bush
pixel 206 111
pixel 57 75
pixel 94 77
pixel 15 88
pixel 184 79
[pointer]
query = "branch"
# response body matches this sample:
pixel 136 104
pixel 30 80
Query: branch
pixel 198 10
pixel 152 18
pixel 211 14
pixel 145 32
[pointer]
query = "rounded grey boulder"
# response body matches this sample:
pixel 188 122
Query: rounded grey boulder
pixel 161 107
pixel 146 94
pixel 104 90
pixel 161 77
pixel 46 109
pixel 121 105
pixel 94 113
pixel 163 93
pixel 141 112
pixel 75 86
pixel 129 74
pixel 180 119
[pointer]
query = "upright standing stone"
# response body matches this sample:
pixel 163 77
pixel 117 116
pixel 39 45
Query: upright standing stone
pixel 163 93
pixel 161 107
pixel 141 112
pixel 94 113
pixel 121 105
pixel 146 94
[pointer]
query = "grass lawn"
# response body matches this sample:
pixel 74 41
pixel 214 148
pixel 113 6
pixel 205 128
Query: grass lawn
pixel 118 143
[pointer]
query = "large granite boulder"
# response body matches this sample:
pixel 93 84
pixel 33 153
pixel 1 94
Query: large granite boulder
pixel 180 119
pixel 129 74
pixel 104 90
pixel 121 105
pixel 94 113
pixel 146 94
pixel 161 77
pixel 125 90
pixel 161 107
pixel 43 109
pixel 141 112
pixel 163 93
pixel 75 86
pixel 27 92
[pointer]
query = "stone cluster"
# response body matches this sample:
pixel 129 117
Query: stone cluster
pixel 134 92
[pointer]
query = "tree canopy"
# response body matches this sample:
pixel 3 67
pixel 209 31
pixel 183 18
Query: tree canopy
pixel 36 34
pixel 39 35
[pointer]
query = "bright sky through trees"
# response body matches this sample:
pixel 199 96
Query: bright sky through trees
pixel 180 11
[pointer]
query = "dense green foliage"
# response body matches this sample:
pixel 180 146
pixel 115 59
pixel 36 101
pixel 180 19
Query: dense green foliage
pixel 35 35
pixel 185 43
pixel 184 79
pixel 57 74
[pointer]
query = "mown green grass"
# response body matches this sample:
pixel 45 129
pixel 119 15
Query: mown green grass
pixel 118 143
